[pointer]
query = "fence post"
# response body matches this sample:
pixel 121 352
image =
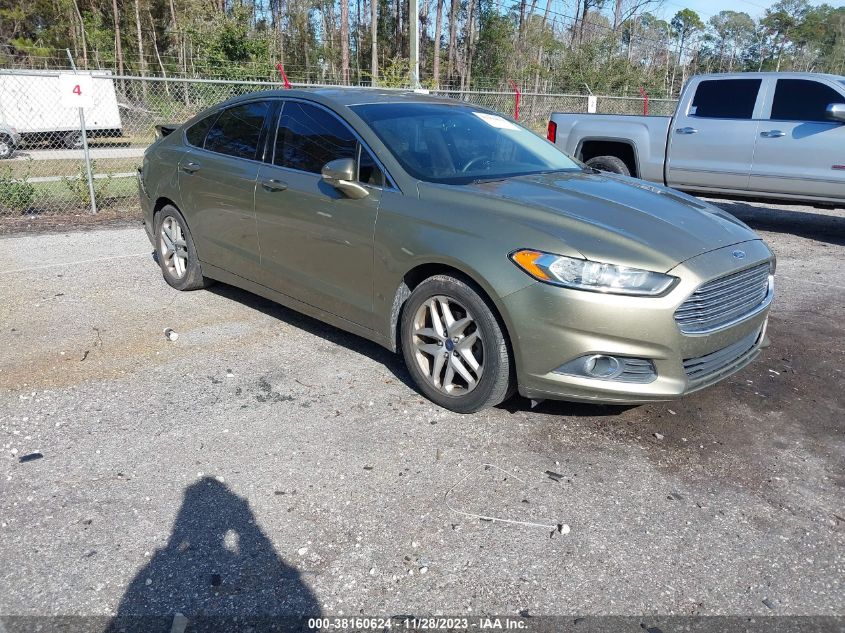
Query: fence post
pixel 85 151
pixel 517 95
pixel 644 95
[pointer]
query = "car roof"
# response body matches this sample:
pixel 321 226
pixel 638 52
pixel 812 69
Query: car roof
pixel 337 97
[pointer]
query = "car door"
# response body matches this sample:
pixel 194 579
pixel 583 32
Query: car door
pixel 711 142
pixel 217 183
pixel 799 150
pixel 317 244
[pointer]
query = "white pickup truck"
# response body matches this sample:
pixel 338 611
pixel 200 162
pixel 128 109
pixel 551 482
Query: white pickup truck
pixel 762 135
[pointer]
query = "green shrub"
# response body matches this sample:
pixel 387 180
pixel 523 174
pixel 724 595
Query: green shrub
pixel 78 185
pixel 16 194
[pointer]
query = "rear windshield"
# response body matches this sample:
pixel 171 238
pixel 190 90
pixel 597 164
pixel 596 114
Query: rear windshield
pixel 457 144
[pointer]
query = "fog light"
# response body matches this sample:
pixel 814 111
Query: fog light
pixel 607 367
pixel 601 366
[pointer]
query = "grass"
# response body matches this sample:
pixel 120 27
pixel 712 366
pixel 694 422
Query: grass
pixel 41 168
pixel 57 198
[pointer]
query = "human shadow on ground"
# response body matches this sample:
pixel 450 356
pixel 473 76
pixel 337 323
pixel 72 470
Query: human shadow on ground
pixel 218 570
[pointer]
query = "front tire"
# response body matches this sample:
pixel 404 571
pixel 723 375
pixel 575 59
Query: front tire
pixel 175 251
pixel 454 346
pixel 612 164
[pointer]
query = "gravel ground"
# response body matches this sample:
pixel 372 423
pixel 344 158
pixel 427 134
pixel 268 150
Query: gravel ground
pixel 265 464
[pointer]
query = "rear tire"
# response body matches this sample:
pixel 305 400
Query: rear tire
pixel 7 147
pixel 72 140
pixel 175 251
pixel 611 164
pixel 454 346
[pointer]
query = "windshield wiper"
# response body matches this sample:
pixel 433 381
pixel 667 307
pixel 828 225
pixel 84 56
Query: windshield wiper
pixel 481 181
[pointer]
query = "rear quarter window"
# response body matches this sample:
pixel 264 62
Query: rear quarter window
pixel 725 99
pixel 196 134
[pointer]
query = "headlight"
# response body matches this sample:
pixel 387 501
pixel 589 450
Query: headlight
pixel 584 274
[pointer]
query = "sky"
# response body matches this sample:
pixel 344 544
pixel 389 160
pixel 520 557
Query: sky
pixel 707 8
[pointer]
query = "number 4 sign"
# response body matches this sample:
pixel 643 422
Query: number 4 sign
pixel 76 91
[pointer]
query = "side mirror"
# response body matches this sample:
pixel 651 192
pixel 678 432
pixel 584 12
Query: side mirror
pixel 836 112
pixel 340 174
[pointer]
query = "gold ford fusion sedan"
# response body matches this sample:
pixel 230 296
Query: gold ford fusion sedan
pixel 493 261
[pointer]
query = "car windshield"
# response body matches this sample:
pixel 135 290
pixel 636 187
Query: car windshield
pixel 457 144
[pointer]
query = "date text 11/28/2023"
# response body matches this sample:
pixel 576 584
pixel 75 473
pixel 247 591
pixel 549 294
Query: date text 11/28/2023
pixel 414 623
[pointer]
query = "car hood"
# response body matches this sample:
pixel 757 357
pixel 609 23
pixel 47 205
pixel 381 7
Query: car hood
pixel 617 219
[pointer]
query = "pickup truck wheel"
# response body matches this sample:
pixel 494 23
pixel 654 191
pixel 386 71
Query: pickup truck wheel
pixel 7 147
pixel 609 163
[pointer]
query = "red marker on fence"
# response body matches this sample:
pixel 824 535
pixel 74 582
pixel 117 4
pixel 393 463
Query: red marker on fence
pixel 516 99
pixel 645 101
pixel 287 83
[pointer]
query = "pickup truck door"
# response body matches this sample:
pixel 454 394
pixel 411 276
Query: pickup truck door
pixel 799 150
pixel 711 140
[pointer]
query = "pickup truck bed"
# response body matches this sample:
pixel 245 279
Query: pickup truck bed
pixel 761 135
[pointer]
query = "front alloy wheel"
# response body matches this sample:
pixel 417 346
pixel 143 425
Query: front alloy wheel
pixel 454 345
pixel 449 348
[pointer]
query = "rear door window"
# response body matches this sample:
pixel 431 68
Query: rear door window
pixel 237 131
pixel 309 137
pixel 725 99
pixel 803 100
pixel 197 132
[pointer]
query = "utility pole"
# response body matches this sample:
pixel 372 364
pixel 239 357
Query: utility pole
pixel 414 44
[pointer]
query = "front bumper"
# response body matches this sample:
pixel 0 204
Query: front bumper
pixel 551 326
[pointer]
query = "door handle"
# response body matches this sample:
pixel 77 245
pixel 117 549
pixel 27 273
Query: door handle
pixel 190 168
pixel 274 185
pixel 686 130
pixel 773 133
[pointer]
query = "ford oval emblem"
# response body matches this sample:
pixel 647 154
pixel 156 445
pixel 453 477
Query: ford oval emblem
pixel 738 254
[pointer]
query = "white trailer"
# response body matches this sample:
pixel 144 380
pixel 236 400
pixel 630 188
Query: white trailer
pixel 30 103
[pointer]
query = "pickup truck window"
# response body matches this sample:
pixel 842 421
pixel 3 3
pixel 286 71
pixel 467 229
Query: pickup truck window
pixel 803 100
pixel 725 99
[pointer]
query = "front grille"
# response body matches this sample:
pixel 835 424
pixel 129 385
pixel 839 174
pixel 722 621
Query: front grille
pixel 712 364
pixel 723 301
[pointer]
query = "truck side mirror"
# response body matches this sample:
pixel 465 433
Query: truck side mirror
pixel 836 112
pixel 340 174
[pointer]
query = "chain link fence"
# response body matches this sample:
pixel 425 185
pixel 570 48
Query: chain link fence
pixel 43 164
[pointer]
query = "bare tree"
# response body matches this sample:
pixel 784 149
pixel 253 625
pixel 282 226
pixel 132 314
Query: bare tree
pixel 142 61
pixel 118 45
pixel 470 45
pixel 82 33
pixel 374 35
pixel 344 41
pixel 453 38
pixel 438 31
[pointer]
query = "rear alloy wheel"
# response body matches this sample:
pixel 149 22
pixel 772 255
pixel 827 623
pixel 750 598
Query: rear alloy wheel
pixel 176 253
pixel 613 164
pixel 454 346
